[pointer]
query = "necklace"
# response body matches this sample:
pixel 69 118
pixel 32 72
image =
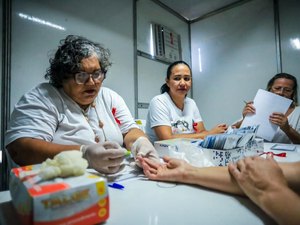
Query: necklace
pixel 100 123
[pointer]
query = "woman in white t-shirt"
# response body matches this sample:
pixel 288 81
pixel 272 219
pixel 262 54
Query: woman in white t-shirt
pixel 74 112
pixel 174 115
pixel 288 131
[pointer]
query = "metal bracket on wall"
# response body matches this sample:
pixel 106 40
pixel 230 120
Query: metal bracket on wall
pixel 142 105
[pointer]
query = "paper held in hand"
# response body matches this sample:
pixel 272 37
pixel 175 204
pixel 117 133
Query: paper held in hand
pixel 265 104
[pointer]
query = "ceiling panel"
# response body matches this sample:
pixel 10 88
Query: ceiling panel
pixel 193 9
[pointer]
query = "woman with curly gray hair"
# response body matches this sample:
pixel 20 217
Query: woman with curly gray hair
pixel 73 111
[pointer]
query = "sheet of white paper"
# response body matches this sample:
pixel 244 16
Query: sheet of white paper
pixel 265 104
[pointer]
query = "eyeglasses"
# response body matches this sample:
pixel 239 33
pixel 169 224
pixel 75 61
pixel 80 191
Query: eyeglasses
pixel 282 89
pixel 83 77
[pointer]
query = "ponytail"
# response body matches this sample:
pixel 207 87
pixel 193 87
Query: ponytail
pixel 164 88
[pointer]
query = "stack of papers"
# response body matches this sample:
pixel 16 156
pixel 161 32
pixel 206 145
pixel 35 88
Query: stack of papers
pixel 265 104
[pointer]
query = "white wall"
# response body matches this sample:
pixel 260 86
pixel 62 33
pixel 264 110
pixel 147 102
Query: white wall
pixel 105 21
pixel 290 30
pixel 238 56
pixel 151 74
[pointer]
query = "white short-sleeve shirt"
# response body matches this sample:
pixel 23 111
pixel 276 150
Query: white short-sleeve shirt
pixel 163 111
pixel 49 114
pixel 294 121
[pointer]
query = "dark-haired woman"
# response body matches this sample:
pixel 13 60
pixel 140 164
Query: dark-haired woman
pixel 285 85
pixel 74 112
pixel 174 115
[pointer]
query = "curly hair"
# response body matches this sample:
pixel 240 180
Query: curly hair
pixel 286 76
pixel 68 57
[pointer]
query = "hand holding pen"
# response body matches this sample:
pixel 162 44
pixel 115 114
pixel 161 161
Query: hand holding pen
pixel 249 108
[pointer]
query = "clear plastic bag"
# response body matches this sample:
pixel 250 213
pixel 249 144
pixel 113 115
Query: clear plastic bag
pixel 191 153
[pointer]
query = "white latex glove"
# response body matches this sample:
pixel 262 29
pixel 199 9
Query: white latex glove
pixel 143 147
pixel 104 157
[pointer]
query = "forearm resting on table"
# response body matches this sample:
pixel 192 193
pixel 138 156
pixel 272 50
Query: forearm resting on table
pixel 274 204
pixel 217 178
pixel 237 124
pixel 191 136
pixel 165 133
pixel 292 174
pixel 293 135
pixel 199 135
pixel 28 151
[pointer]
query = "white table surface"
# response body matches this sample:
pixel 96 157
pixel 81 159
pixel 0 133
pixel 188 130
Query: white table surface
pixel 146 202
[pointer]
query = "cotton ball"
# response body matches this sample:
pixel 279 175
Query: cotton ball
pixel 71 163
pixel 64 164
pixel 49 172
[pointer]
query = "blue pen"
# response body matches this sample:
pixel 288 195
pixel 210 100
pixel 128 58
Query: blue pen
pixel 116 186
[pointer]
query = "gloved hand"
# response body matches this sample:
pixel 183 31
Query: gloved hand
pixel 143 147
pixel 104 157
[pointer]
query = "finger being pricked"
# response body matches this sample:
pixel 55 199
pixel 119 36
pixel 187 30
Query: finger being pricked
pixel 152 163
pixel 149 171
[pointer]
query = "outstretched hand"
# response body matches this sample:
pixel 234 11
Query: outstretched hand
pixel 170 170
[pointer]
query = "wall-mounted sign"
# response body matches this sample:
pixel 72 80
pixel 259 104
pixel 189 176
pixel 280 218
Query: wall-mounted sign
pixel 167 44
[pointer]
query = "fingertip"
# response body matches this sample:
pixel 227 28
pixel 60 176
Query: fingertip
pixel 147 173
pixel 166 158
pixel 140 160
pixel 233 171
pixel 230 166
pixel 270 155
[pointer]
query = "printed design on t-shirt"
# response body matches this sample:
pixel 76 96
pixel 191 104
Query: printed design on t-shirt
pixel 180 126
pixel 114 111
